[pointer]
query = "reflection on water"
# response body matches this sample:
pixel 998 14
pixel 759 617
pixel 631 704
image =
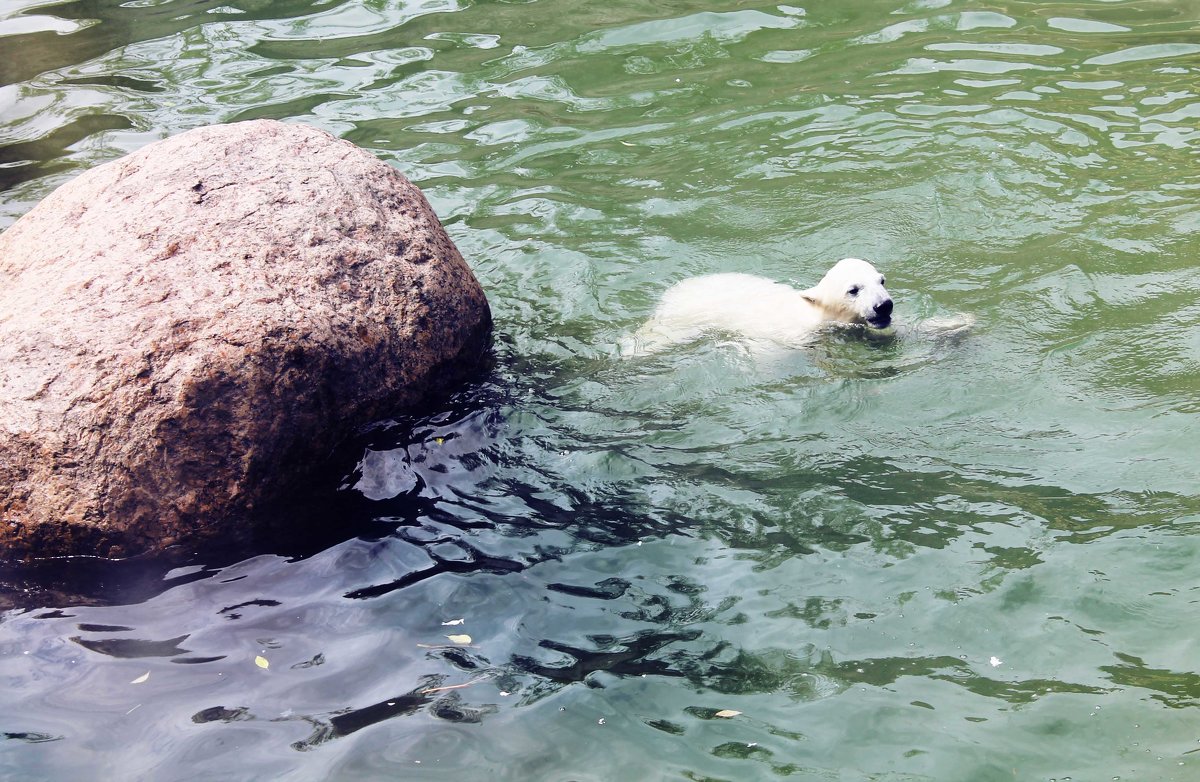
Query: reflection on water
pixel 919 556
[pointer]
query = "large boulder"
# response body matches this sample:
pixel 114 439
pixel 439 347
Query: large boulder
pixel 186 332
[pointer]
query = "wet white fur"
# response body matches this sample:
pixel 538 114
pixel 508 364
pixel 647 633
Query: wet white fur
pixel 759 309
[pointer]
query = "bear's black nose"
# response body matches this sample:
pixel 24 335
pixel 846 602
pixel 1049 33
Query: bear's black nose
pixel 883 308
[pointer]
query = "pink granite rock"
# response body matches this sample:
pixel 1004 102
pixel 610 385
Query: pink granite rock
pixel 187 331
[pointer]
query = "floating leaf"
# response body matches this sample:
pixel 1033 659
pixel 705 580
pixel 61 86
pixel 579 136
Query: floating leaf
pixel 141 678
pixel 727 713
pixel 454 622
pixel 261 662
pixel 459 639
pixel 439 440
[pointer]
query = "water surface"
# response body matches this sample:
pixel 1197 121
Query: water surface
pixel 899 559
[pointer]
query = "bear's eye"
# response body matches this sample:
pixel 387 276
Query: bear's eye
pixel 882 281
pixel 853 291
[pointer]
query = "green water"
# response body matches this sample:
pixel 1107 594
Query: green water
pixel 898 559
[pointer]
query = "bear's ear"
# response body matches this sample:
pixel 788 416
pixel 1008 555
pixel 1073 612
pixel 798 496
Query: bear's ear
pixel 810 297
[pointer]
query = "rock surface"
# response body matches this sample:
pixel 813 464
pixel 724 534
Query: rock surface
pixel 186 332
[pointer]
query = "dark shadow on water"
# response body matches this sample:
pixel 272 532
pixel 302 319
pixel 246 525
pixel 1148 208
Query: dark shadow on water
pixel 132 648
pixel 439 701
pixel 632 658
pixel 31 738
pixel 95 581
pixel 84 581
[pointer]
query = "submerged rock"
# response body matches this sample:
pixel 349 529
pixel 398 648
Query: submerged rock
pixel 186 332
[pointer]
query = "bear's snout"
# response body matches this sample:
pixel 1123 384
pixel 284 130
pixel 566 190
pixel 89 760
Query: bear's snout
pixel 881 315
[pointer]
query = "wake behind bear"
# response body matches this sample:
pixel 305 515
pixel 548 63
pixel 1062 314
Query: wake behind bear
pixel 760 310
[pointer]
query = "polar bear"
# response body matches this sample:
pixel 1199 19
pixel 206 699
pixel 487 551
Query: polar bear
pixel 764 311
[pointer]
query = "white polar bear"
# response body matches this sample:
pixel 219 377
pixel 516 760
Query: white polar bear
pixel 762 310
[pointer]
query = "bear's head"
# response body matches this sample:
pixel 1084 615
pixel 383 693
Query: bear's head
pixel 852 292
